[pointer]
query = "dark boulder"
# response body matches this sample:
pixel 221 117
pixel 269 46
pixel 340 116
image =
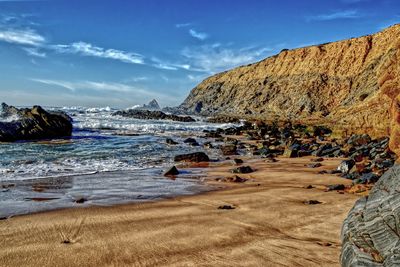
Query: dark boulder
pixel 172 171
pixel 229 149
pixel 346 165
pixel 290 152
pixel 243 169
pixel 152 115
pixel 314 165
pixel 33 124
pixel 191 141
pixel 169 141
pixel 192 157
pixel 334 187
pixel 359 139
pixel 238 161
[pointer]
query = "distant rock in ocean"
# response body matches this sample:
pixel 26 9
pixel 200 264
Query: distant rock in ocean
pixel 152 105
pixel 32 124
pixel 152 115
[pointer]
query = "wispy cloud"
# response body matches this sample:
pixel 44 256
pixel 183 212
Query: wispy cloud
pixel 74 86
pixel 198 35
pixel 136 79
pixel 344 14
pixel 183 25
pixel 22 37
pixel 14 29
pixel 87 49
pixel 88 85
pixel 165 65
pixel 215 58
pixel 34 51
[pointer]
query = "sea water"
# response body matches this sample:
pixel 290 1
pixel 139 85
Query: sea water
pixel 108 160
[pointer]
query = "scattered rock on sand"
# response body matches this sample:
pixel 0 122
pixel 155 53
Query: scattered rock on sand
pixel 290 152
pixel 172 171
pixel 169 141
pixel 346 165
pixel 80 200
pixel 229 149
pixel 317 159
pixel 314 165
pixel 226 207
pixel 234 179
pixel 334 187
pixel 312 202
pixel 192 157
pixel 191 141
pixel 238 161
pixel 243 169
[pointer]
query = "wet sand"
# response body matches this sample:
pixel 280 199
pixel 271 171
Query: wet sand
pixel 270 225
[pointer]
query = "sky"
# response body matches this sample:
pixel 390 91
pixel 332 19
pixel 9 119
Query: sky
pixel 96 53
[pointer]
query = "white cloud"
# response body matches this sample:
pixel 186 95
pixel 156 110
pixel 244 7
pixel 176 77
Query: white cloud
pixel 88 85
pixel 182 25
pixel 87 49
pixel 34 51
pixel 136 79
pixel 160 64
pixel 215 58
pixel 198 35
pixel 105 87
pixel 344 14
pixel 22 37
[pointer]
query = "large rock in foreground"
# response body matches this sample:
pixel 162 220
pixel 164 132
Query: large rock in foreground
pixel 371 232
pixel 32 124
pixel 152 115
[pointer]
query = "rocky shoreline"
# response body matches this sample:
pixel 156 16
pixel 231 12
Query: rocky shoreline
pixel 365 159
pixel 368 162
pixel 33 124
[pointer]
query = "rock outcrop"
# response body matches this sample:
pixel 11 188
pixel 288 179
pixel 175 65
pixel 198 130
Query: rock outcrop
pixel 152 105
pixel 371 232
pixel 339 84
pixel 152 115
pixel 32 124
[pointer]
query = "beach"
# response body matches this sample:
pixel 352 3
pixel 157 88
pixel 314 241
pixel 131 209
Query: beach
pixel 270 224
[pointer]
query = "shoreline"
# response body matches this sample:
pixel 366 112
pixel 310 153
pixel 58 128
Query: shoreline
pixel 269 219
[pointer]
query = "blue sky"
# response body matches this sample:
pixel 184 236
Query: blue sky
pixel 122 53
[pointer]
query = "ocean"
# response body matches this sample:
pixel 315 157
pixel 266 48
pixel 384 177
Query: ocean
pixel 109 160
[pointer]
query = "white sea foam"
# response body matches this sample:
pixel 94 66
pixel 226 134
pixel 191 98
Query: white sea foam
pixel 10 118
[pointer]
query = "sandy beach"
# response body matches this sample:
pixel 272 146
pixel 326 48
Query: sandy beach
pixel 270 225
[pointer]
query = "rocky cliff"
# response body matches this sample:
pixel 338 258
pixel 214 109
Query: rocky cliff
pixel 338 83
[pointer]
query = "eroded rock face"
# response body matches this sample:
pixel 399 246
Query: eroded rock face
pixel 370 233
pixel 34 123
pixel 337 83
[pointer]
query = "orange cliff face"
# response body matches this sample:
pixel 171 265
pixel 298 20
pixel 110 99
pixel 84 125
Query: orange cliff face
pixel 336 84
pixel 389 84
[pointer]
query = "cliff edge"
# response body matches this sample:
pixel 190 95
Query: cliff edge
pixel 338 84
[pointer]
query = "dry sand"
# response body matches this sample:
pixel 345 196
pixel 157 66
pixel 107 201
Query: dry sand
pixel 270 226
